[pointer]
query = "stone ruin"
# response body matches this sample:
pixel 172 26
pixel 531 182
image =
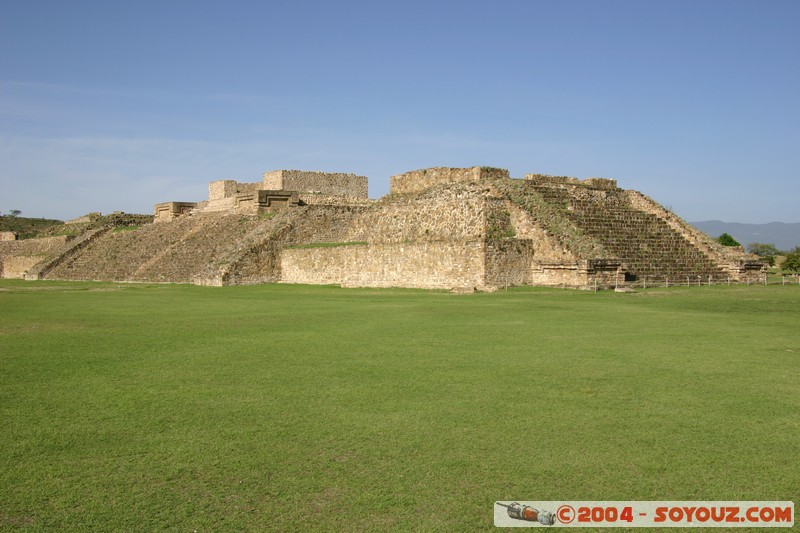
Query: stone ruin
pixel 279 188
pixel 446 228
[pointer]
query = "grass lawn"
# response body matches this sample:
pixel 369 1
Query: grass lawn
pixel 298 408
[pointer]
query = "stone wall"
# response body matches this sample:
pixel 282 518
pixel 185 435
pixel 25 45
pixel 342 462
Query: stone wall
pixel 256 257
pixel 594 183
pixel 167 211
pixel 119 218
pixel 323 224
pixel 66 252
pixel 19 256
pixel 326 183
pixel 544 245
pixel 563 239
pixel 419 180
pixel 222 194
pixel 328 199
pixel 508 262
pixel 430 265
pixel 16 266
pixel 172 252
pixel 217 190
pixel 259 264
pixel 451 213
pixel 261 201
pixel 8 236
pixel 84 219
pixel 578 275
pixel 206 248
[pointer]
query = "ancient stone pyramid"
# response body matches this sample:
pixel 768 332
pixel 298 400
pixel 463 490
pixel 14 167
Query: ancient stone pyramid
pixel 454 228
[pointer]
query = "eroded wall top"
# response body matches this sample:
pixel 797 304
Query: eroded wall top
pixel 593 183
pixel 419 180
pixel 327 183
pixel 218 190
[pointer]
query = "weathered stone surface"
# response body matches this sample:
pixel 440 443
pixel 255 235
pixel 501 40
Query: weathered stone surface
pixel 419 180
pixel 428 265
pixel 445 228
pixel 17 257
pixel 167 211
pixel 326 183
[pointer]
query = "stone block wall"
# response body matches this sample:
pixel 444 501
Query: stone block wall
pixel 546 179
pixel 545 246
pixel 217 190
pixel 19 256
pixel 508 262
pixel 594 183
pixel 16 266
pixel 431 265
pixel 167 211
pixel 452 213
pixel 84 219
pixel 329 199
pixel 261 201
pixel 559 238
pixel 579 275
pixel 125 219
pixel 600 183
pixel 222 194
pixel 259 264
pixel 419 180
pixel 323 224
pixel 326 183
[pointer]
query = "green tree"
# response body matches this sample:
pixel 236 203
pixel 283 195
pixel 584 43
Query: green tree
pixel 792 261
pixel 727 240
pixel 14 213
pixel 764 251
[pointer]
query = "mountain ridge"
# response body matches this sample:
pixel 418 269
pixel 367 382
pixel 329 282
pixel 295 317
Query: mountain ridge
pixel 784 235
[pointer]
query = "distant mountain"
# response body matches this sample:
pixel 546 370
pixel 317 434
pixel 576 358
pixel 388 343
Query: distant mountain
pixel 784 236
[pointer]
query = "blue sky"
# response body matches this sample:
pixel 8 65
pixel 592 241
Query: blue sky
pixel 115 106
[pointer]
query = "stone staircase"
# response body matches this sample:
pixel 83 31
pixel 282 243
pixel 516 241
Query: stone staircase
pixel 173 252
pixel 205 248
pixel 71 249
pixel 646 243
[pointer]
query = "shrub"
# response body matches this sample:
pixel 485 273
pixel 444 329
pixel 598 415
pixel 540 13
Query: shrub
pixel 792 261
pixel 727 240
pixel 764 251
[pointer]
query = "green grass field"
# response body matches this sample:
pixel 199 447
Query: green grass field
pixel 297 408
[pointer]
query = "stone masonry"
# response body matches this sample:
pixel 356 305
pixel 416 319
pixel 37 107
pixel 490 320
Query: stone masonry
pixel 19 256
pixel 443 228
pixel 168 211
pixel 325 183
pixel 419 180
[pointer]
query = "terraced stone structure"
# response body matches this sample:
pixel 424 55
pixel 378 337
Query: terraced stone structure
pixel 452 228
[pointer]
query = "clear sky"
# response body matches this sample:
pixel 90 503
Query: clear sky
pixel 118 105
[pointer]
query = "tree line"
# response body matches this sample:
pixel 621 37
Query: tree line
pixel 768 252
